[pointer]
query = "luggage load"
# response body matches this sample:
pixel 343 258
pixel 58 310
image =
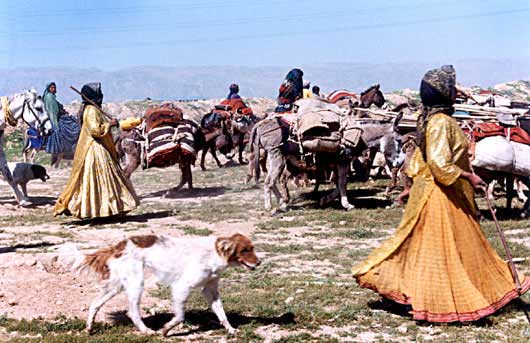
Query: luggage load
pixel 493 153
pixel 320 131
pixel 162 114
pixel 498 154
pixel 169 136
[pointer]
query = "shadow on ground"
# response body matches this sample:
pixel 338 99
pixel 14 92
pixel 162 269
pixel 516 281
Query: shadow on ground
pixel 186 193
pixel 14 248
pixel 204 319
pixel 135 218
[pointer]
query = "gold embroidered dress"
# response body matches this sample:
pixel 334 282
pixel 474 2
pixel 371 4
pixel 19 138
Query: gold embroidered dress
pixel 97 186
pixel 439 261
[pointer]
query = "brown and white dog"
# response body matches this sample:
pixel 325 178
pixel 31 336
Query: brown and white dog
pixel 182 263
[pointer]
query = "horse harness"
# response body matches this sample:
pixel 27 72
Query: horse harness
pixel 13 122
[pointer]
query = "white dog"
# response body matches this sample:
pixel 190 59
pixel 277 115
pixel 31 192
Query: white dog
pixel 25 172
pixel 182 263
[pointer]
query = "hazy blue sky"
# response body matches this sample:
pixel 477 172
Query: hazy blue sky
pixel 122 33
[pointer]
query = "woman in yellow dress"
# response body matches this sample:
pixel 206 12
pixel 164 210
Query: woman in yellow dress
pixel 97 186
pixel 439 261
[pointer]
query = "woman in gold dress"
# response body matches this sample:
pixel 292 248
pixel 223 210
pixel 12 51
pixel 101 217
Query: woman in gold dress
pixel 97 187
pixel 439 261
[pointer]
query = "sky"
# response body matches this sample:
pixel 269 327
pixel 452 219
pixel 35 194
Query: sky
pixel 112 35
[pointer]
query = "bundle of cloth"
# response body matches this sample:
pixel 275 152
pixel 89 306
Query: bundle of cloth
pixel 169 136
pixel 501 147
pixel 325 131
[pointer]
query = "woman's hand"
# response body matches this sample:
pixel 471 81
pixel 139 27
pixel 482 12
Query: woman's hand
pixel 475 180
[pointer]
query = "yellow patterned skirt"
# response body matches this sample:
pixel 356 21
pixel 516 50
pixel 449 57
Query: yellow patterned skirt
pixel 444 267
pixel 99 189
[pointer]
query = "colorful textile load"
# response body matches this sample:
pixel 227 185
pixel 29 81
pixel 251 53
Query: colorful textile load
pixel 341 94
pixel 169 136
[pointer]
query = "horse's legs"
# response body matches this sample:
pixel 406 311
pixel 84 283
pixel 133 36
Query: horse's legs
pixel 214 155
pixel 342 184
pixel 32 155
pixel 4 169
pixel 250 167
pixel 131 164
pixel 509 191
pixel 56 160
pixel 189 176
pixel 203 156
pixel 241 149
pixel 525 181
pixel 276 164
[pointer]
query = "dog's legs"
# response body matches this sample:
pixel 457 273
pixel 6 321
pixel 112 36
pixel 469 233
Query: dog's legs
pixel 105 295
pixel 179 292
pixel 4 169
pixel 24 188
pixel 132 278
pixel 211 294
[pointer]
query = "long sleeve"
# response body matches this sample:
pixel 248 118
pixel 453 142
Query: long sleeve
pixel 94 122
pixel 440 155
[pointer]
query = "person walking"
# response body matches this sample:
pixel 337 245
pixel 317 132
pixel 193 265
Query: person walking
pixel 97 186
pixel 439 261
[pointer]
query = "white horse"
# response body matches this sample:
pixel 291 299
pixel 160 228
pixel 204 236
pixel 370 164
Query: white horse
pixel 29 107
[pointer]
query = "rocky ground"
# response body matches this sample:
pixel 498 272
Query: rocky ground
pixel 302 292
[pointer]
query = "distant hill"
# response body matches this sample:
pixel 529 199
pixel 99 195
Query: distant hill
pixel 515 90
pixel 139 83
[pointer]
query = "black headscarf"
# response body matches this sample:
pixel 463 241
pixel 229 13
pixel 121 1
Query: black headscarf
pixel 234 89
pixel 92 91
pixel 437 92
pixel 295 76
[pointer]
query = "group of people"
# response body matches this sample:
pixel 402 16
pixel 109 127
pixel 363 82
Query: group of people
pixel 438 261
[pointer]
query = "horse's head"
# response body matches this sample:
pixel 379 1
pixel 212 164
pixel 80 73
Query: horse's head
pixel 33 112
pixel 372 95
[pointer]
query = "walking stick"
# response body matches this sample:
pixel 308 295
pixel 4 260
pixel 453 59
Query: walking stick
pixel 505 245
pixel 507 251
pixel 92 103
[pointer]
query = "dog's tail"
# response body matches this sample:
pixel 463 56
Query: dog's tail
pixel 71 258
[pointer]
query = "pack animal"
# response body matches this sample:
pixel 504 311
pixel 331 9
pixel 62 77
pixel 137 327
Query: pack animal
pixel 183 263
pixel 130 143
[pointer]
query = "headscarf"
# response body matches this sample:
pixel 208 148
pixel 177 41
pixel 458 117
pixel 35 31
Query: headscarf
pixel 437 92
pixel 295 76
pixel 92 91
pixel 51 104
pixel 234 89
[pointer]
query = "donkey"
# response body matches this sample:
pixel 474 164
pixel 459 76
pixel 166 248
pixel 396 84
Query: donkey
pixel 216 136
pixel 371 96
pixel 272 134
pixel 29 107
pixel 129 147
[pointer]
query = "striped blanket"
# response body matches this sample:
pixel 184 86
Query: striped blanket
pixel 168 143
pixel 340 94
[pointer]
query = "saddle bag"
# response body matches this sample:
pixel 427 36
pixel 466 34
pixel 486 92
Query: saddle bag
pixel 326 144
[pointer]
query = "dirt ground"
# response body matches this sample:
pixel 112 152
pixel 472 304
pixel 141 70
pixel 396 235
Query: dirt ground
pixel 303 291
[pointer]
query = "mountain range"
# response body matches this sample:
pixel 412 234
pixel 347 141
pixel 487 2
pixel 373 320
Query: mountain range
pixel 162 83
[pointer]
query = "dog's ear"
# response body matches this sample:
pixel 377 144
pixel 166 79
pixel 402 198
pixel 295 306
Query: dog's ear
pixel 225 246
